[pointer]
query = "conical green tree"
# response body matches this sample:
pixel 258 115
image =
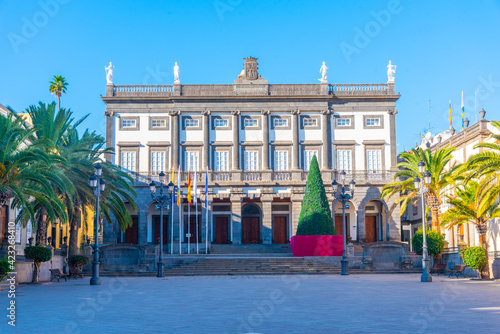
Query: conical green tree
pixel 315 216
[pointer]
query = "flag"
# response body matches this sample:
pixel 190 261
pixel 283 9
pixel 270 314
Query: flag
pixel 173 192
pixel 179 186
pixel 450 115
pixel 195 188
pixel 206 190
pixel 189 188
pixel 463 111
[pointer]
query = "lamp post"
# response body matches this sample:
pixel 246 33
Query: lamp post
pixel 162 200
pixel 421 187
pixel 98 185
pixel 344 194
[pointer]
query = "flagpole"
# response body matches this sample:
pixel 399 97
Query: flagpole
pixel 172 222
pixel 180 206
pixel 197 246
pixel 189 228
pixel 206 224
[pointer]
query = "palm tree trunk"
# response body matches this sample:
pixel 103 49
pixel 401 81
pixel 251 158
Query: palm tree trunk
pixel 481 228
pixel 73 232
pixel 435 219
pixel 41 231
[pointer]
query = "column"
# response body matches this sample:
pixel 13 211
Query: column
pixel 296 208
pixel 295 139
pixel 235 230
pixel 392 140
pixel 265 144
pixel 236 140
pixel 361 225
pixel 325 129
pixel 206 138
pixel 175 138
pixel 267 223
pixel 110 131
pixel 143 227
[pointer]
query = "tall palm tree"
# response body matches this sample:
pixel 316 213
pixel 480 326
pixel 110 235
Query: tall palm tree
pixel 474 203
pixel 25 174
pixel 487 162
pixel 50 128
pixel 58 85
pixel 82 153
pixel 436 165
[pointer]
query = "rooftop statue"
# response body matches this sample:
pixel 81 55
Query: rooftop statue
pixel 109 73
pixel 323 70
pixel 391 70
pixel 176 74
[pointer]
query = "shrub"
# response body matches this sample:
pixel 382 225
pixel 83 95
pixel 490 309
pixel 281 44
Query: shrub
pixel 315 216
pixel 474 257
pixel 4 267
pixel 38 253
pixel 435 242
pixel 79 261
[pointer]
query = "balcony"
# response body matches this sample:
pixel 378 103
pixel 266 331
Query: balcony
pixel 266 177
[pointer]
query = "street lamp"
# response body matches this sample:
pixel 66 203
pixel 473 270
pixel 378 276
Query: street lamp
pixel 98 185
pixel 421 187
pixel 344 194
pixel 162 200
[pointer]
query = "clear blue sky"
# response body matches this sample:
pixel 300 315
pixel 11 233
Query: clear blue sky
pixel 440 48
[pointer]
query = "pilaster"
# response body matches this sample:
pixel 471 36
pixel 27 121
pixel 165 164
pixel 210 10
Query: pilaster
pixel 295 139
pixel 206 139
pixel 175 138
pixel 325 126
pixel 236 141
pixel 143 226
pixel 267 221
pixel 236 220
pixel 265 144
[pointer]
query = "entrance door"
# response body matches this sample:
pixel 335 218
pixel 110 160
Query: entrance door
pixel 371 228
pixel 3 221
pixel 250 230
pixel 339 230
pixel 279 230
pixel 192 230
pixel 156 239
pixel 131 233
pixel 221 230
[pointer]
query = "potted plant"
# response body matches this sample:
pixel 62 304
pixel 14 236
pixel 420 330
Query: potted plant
pixel 5 267
pixel 315 232
pixel 38 254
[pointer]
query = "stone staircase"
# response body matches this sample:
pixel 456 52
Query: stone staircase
pixel 260 250
pixel 251 266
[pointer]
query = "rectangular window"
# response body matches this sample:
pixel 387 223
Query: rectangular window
pixel 190 122
pixel 415 209
pixel 128 161
pixel 249 122
pixel 308 155
pixel 158 123
pixel 373 122
pixel 129 123
pixel 219 122
pixel 343 122
pixel 18 232
pixel 221 161
pixel 192 159
pixel 344 160
pixel 374 160
pixel 29 232
pixel 277 122
pixel 251 160
pixel 157 162
pixel 281 160
pixel 309 121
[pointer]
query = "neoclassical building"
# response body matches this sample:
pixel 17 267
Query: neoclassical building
pixel 256 141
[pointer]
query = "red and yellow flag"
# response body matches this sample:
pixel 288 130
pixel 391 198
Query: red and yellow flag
pixel 189 188
pixel 450 115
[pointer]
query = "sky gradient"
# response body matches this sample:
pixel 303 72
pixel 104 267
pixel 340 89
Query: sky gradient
pixel 440 48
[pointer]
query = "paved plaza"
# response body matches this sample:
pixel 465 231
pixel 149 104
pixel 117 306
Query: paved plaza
pixel 258 304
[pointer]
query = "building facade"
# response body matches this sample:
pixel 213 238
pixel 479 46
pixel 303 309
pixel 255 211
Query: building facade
pixel 256 140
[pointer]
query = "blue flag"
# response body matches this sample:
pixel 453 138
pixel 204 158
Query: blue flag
pixel 206 190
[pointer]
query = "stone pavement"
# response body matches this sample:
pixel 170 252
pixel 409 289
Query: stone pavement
pixel 258 304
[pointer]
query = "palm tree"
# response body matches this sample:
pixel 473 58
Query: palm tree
pixel 474 203
pixel 50 128
pixel 487 162
pixel 408 171
pixel 82 153
pixel 58 85
pixel 25 174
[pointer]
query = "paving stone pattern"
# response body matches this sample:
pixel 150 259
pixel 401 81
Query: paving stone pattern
pixel 258 304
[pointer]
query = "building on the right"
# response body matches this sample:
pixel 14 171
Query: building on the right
pixel 464 141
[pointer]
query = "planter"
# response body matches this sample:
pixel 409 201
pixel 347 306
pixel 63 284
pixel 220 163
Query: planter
pixel 316 245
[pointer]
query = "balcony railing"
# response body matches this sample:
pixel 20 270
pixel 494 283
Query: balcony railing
pixel 252 176
pixel 138 90
pixel 282 176
pixel 359 177
pixel 358 89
